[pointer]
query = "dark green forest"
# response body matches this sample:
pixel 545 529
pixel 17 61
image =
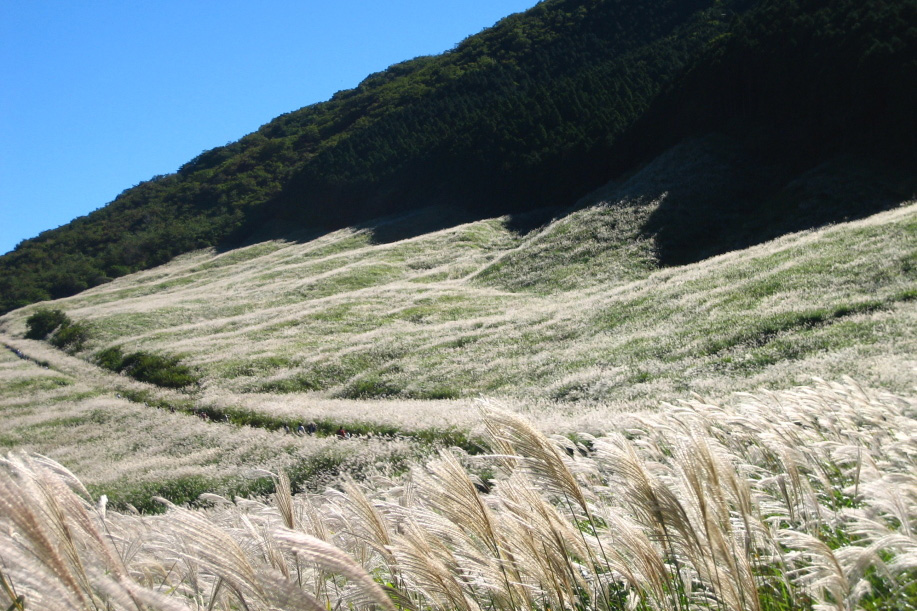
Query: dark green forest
pixel 532 113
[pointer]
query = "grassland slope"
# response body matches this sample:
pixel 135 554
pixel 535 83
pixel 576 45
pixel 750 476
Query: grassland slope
pixel 576 310
pixel 396 337
pixel 570 324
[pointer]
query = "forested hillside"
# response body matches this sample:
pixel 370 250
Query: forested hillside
pixel 533 113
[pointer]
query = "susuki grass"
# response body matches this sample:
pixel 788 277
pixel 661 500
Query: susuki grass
pixel 408 353
pixel 132 441
pixel 492 320
pixel 797 499
pixel 592 496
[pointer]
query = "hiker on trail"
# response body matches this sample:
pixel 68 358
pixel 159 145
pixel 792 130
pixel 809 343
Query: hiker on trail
pixel 311 428
pixel 342 433
pixel 301 430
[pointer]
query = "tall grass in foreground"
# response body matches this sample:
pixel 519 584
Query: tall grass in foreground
pixel 802 499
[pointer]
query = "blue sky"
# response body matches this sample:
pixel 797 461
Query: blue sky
pixel 97 96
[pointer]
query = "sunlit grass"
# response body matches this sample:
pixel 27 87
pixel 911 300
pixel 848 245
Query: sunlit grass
pixel 779 501
pixel 571 324
pixel 479 310
pixel 797 499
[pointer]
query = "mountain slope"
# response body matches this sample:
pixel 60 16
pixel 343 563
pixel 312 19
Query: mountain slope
pixel 480 308
pixel 534 112
pixel 570 323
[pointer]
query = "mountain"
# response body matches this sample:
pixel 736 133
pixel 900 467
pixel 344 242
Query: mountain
pixel 396 340
pixel 507 314
pixel 532 114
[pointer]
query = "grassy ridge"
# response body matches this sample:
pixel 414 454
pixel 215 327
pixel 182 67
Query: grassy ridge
pixel 283 334
pixel 792 500
pixel 132 441
pixel 569 323
pixel 570 312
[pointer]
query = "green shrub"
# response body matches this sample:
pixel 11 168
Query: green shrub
pixel 369 387
pixel 64 333
pixel 303 382
pixel 111 359
pixel 43 322
pixel 70 336
pixel 181 491
pixel 162 370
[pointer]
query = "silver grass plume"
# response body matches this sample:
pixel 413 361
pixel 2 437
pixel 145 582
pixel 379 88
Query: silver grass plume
pixel 332 559
pixel 451 492
pixel 428 569
pixel 58 539
pixel 543 542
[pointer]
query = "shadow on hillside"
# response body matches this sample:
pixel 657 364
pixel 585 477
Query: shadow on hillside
pixel 435 218
pixel 715 197
pixel 688 230
pixel 387 229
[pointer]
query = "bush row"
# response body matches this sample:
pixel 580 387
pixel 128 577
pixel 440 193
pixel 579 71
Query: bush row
pixel 57 328
pixel 162 370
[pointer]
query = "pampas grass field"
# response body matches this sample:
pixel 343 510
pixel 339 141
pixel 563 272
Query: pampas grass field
pixel 395 340
pixel 798 499
pixel 575 311
pixel 497 419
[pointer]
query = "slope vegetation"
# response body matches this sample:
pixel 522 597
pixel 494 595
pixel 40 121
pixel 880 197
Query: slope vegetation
pixel 772 503
pixel 577 308
pixel 570 322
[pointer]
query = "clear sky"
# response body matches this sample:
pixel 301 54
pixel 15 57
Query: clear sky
pixel 99 95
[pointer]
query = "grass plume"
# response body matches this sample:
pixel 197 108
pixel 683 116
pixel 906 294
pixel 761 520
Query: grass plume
pixel 687 508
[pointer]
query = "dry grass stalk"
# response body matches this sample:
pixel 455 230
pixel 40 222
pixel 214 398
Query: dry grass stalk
pixel 802 498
